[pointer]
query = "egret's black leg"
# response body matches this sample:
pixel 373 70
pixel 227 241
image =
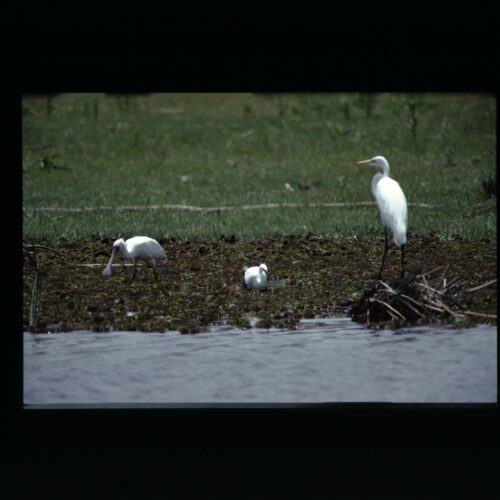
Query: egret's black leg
pixel 154 272
pixel 386 245
pixel 402 261
pixel 133 274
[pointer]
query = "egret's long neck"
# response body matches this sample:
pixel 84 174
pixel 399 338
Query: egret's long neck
pixel 385 169
pixel 375 180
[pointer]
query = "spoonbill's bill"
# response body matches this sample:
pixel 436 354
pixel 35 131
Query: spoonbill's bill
pixel 258 277
pixel 391 202
pixel 137 248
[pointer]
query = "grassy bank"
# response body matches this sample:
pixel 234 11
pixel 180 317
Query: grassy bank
pixel 209 150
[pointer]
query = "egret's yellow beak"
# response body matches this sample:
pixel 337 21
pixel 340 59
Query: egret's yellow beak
pixel 363 161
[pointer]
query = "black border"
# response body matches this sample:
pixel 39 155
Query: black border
pixel 448 442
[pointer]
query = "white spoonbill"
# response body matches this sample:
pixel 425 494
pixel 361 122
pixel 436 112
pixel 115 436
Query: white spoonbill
pixel 258 277
pixel 391 202
pixel 137 248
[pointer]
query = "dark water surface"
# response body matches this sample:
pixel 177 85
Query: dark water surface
pixel 331 360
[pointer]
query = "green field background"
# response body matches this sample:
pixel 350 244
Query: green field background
pixel 210 150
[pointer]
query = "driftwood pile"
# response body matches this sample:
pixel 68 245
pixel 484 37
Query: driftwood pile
pixel 428 296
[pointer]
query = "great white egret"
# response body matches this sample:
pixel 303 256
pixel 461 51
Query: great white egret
pixel 258 277
pixel 391 202
pixel 137 248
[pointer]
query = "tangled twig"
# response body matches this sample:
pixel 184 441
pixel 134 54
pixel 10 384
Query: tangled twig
pixel 421 297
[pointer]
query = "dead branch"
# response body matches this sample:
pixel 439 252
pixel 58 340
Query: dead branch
pixel 44 247
pixel 481 315
pixel 428 295
pixel 372 299
pixel 194 208
pixel 476 288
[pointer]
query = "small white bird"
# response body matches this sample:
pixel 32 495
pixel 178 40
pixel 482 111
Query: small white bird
pixel 391 202
pixel 137 248
pixel 258 277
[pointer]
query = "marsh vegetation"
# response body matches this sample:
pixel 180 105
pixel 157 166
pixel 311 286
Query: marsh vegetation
pixel 99 167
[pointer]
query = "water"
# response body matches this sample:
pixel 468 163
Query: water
pixel 333 360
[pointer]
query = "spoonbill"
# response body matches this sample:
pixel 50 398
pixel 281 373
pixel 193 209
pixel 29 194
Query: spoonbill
pixel 258 277
pixel 391 202
pixel 137 248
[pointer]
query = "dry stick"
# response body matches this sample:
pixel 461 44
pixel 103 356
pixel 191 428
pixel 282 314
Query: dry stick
pixel 427 287
pixel 195 208
pixel 393 316
pixel 429 272
pixel 446 308
pixel 433 295
pixel 392 292
pixel 455 282
pixel 43 246
pixel 481 315
pixel 410 298
pixel 411 307
pixel 428 306
pixel 481 286
pixel 406 297
pixel 100 265
pixel 443 275
pixel 371 299
pixel 389 289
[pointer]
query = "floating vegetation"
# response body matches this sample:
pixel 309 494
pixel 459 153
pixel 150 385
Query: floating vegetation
pixel 426 297
pixel 201 283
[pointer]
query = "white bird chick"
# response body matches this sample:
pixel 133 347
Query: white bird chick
pixel 258 277
pixel 392 206
pixel 137 248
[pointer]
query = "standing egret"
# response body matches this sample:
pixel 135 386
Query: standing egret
pixel 258 277
pixel 139 247
pixel 391 202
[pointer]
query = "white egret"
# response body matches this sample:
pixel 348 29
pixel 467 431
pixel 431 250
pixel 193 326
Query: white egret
pixel 137 248
pixel 391 202
pixel 258 277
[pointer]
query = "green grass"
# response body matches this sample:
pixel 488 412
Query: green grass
pixel 93 150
